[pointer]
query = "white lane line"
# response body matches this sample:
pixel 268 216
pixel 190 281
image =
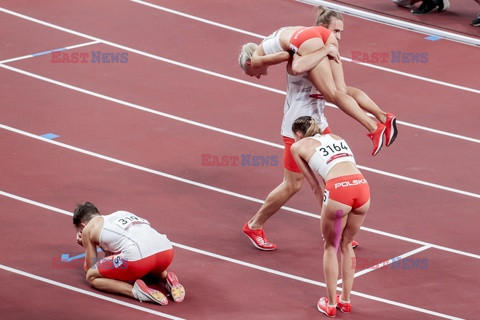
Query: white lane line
pixel 395 22
pixel 443 83
pixel 87 293
pixel 215 189
pixel 50 51
pixel 397 259
pixel 238 135
pixel 242 263
pixel 183 65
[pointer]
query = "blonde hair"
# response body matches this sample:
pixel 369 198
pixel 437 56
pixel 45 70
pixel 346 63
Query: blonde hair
pixel 246 54
pixel 324 16
pixel 306 125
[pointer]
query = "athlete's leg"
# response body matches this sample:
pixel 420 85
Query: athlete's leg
pixel 99 282
pixel 323 79
pixel 166 278
pixel 292 182
pixel 338 76
pixel 360 97
pixel 367 104
pixel 334 218
pixel 354 222
pixel 112 274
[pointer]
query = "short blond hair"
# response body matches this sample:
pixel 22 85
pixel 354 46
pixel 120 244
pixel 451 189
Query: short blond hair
pixel 246 54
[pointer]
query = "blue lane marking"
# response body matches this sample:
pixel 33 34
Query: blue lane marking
pixel 433 38
pixel 47 52
pixel 50 136
pixel 66 257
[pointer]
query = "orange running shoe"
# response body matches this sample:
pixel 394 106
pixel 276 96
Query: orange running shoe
pixel 258 238
pixel 354 244
pixel 391 130
pixel 323 307
pixel 377 138
pixel 345 307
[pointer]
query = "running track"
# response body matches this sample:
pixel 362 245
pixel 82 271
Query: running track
pixel 131 136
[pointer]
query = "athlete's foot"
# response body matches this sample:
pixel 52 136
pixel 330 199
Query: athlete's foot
pixel 177 291
pixel 258 238
pixel 143 293
pixel 377 138
pixel 391 130
pixel 324 307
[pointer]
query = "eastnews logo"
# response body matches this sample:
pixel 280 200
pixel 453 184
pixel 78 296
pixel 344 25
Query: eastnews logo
pixel 89 57
pixel 392 57
pixel 397 263
pixel 243 160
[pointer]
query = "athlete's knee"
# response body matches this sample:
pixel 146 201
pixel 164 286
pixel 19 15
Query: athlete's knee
pixel 342 89
pixel 345 244
pixel 333 95
pixel 328 243
pixel 90 277
pixel 293 186
pixel 338 95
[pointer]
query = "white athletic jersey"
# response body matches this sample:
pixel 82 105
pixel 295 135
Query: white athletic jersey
pixel 124 232
pixel 330 153
pixel 301 101
pixel 272 44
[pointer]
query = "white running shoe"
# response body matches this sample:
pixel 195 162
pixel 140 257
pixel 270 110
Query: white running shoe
pixel 144 293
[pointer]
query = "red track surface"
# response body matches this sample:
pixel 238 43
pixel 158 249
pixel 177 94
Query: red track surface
pixel 143 153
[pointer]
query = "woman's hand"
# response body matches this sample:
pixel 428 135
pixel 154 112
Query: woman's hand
pixel 332 52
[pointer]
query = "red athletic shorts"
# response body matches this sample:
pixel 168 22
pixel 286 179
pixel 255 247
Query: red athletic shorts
pixel 304 34
pixel 288 161
pixel 352 190
pixel 114 267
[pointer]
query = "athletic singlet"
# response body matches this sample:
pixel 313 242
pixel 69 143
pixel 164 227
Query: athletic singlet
pixel 330 153
pixel 272 44
pixel 124 232
pixel 299 103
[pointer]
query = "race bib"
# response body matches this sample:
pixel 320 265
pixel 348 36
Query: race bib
pixel 128 220
pixel 333 150
pixel 326 195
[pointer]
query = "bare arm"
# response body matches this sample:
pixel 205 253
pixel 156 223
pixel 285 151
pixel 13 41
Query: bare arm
pixel 307 172
pixel 307 62
pixel 90 246
pixel 261 60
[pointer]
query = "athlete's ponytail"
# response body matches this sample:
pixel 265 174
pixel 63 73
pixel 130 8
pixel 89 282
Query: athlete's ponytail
pixel 324 16
pixel 306 125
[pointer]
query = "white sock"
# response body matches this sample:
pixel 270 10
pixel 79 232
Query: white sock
pixel 341 301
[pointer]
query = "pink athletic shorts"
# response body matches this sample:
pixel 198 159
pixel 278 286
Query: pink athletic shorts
pixel 352 190
pixel 114 267
pixel 304 34
pixel 288 161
